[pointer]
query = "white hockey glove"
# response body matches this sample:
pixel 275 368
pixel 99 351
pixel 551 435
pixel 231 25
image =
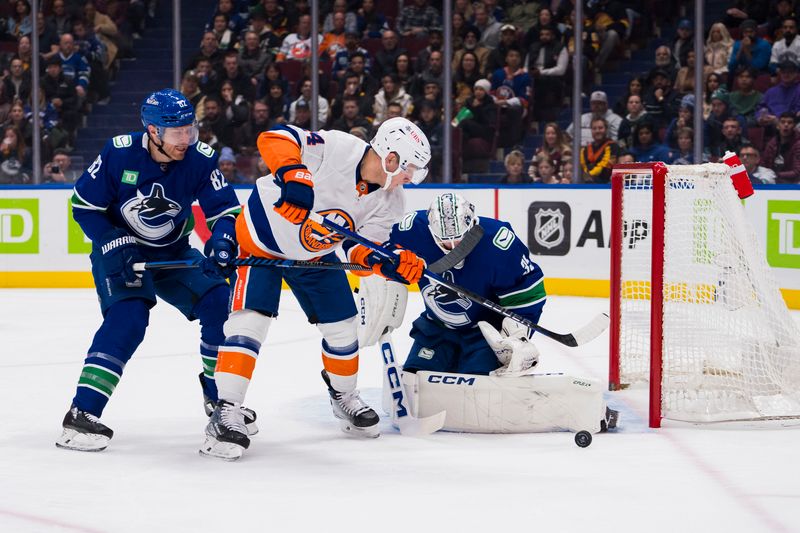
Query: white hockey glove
pixel 381 305
pixel 512 347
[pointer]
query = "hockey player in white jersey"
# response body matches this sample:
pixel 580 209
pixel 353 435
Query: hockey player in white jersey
pixel 347 181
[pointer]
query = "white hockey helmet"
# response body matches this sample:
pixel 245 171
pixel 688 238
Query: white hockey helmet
pixel 404 138
pixel 450 217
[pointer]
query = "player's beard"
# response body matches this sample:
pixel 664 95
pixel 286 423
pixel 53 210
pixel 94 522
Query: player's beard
pixel 177 154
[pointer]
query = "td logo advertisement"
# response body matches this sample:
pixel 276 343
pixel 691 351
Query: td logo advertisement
pixel 783 233
pixel 19 226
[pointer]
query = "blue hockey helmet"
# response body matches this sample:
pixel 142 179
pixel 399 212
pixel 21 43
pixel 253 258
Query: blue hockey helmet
pixel 172 114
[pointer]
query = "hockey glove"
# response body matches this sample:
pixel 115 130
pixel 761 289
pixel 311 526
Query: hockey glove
pixel 406 266
pixel 120 252
pixel 219 251
pixel 297 193
pixel 511 346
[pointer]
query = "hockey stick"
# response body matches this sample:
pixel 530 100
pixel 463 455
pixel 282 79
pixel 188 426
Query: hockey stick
pixel 407 423
pixel 460 252
pixel 250 261
pixel 576 338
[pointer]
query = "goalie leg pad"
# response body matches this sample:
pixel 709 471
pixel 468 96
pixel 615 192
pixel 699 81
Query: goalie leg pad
pixel 245 331
pixel 340 353
pixel 526 404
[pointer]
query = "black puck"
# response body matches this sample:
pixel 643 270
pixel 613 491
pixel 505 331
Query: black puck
pixel 583 438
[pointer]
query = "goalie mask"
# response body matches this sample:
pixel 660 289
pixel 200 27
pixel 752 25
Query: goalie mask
pixel 450 217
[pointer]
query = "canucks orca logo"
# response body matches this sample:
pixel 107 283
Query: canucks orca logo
pixel 446 304
pixel 151 216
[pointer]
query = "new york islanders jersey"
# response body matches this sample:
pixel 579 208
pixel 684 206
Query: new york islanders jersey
pixel 334 160
pixel 498 268
pixel 153 202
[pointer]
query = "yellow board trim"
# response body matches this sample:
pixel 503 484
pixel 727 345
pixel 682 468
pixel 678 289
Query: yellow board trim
pixel 595 288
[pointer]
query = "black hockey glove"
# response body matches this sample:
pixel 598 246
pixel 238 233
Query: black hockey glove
pixel 220 249
pixel 120 252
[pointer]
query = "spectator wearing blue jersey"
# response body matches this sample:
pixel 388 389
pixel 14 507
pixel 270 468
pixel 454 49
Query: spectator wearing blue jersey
pixel 512 92
pixel 370 22
pixel 341 61
pixel 74 65
pixel 233 20
pixel 646 148
pixel 134 203
pixel 751 50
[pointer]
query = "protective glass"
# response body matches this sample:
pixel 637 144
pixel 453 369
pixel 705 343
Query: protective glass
pixel 179 136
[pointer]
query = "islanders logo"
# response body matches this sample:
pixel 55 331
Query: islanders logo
pixel 317 238
pixel 151 216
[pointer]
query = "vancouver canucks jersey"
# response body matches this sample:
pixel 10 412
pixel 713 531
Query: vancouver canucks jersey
pixel 499 268
pixel 153 202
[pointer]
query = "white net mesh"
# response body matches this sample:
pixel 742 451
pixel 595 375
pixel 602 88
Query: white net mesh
pixel 731 351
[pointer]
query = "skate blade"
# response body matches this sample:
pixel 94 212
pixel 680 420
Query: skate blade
pixel 227 451
pixel 371 432
pixel 71 439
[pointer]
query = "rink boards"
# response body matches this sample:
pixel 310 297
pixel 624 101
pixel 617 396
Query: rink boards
pixel 566 227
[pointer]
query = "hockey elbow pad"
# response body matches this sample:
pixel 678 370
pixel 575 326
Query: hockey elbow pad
pixel 297 193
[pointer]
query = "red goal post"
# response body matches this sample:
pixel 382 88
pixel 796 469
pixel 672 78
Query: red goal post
pixel 695 312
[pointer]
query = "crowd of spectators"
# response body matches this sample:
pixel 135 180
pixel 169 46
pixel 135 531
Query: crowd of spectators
pixel 511 71
pixel 80 46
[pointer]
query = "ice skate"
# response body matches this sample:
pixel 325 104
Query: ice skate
pixel 83 432
pixel 610 421
pixel 249 415
pixel 354 415
pixel 226 434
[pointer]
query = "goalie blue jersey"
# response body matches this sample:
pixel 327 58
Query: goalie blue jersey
pixel 499 268
pixel 125 188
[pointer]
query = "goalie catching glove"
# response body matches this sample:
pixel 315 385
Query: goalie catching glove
pixel 297 193
pixel 512 347
pixel 406 267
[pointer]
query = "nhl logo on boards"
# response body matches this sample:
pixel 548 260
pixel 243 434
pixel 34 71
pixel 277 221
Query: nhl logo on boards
pixel 549 228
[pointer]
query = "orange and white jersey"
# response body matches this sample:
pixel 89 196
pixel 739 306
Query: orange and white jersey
pixel 334 160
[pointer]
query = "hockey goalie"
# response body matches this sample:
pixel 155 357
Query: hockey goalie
pixel 469 368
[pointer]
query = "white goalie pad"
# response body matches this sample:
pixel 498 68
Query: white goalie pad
pixel 381 305
pixel 532 403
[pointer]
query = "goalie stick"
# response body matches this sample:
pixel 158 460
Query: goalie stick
pixel 250 261
pixel 407 423
pixel 578 337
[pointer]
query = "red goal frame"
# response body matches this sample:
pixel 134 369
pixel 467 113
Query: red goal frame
pixel 656 231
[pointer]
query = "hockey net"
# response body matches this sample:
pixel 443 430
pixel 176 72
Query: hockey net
pixel 695 309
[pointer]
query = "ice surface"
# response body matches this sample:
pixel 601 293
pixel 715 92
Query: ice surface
pixel 302 474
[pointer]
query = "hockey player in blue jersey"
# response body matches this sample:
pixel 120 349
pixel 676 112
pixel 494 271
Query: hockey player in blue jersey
pixel 468 361
pixel 454 334
pixel 134 203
